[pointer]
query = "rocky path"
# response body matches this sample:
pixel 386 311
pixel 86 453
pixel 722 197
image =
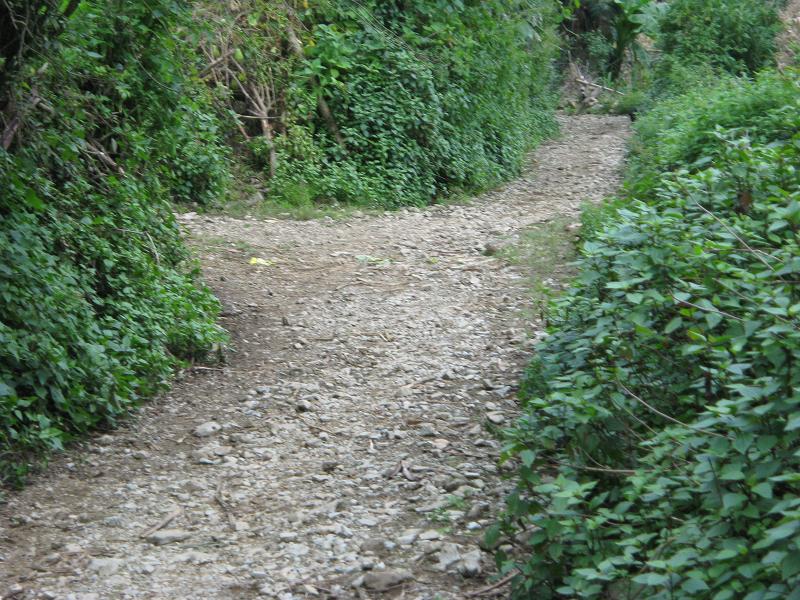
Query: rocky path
pixel 346 450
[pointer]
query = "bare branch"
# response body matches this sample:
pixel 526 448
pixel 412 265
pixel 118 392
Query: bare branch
pixel 666 416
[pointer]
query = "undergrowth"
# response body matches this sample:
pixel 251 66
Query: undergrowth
pixel 678 47
pixel 658 452
pixel 384 104
pixel 98 302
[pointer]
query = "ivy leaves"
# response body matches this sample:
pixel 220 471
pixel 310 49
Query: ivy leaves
pixel 430 99
pixel 658 453
pixel 97 305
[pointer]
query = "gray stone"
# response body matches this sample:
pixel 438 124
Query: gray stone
pixel 194 557
pixel 471 563
pixel 303 406
pixel 477 510
pixel 207 429
pixel 382 581
pixel 373 545
pixel 453 484
pixel 427 430
pixel 496 418
pixel 448 556
pixel 297 550
pixel 167 536
pixel 105 566
pixel 430 535
pixel 114 521
pixel 409 537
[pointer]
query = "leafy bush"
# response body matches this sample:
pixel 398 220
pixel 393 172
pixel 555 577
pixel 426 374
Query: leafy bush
pixel 683 131
pixel 699 42
pixel 97 302
pixel 606 32
pixel 658 453
pixel 424 97
pixel 737 36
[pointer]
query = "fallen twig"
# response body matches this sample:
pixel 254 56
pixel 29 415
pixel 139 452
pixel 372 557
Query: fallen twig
pixel 328 431
pixel 15 123
pixel 421 381
pixel 407 473
pixel 706 309
pixel 163 522
pixel 221 501
pixel 498 584
pixel 598 86
pixel 95 149
pixel 666 416
pixel 759 254
pixel 395 470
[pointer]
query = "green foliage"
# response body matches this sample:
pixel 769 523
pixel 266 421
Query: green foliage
pixel 701 42
pixel 97 302
pixel 698 43
pixel 737 36
pixel 658 451
pixel 608 32
pixel 428 98
pixel 633 17
pixel 684 131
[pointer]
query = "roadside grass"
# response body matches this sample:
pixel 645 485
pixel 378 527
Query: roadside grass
pixel 545 252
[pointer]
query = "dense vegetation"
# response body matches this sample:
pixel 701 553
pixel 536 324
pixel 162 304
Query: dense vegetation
pixel 97 302
pixel 651 50
pixel 658 455
pixel 111 111
pixel 384 103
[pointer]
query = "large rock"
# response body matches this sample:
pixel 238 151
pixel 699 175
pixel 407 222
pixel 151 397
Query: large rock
pixel 470 565
pixel 297 550
pixel 105 566
pixel 449 556
pixel 167 536
pixel 207 429
pixel 382 581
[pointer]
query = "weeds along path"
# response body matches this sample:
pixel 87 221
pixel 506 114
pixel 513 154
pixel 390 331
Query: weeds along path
pixel 345 451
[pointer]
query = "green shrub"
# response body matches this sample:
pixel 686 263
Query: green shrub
pixel 428 97
pixel 606 33
pixel 97 301
pixel 688 131
pixel 737 36
pixel 658 454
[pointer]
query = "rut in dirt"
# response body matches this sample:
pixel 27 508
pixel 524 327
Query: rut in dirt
pixel 346 449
